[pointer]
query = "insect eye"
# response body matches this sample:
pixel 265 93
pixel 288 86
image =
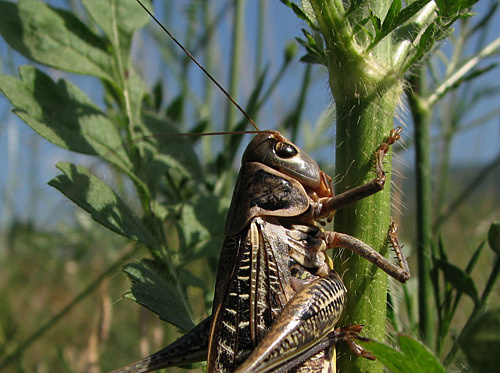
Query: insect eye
pixel 285 150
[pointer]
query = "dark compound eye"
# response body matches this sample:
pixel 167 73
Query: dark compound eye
pixel 284 150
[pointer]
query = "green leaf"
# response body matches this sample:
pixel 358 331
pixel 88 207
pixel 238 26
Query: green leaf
pixel 162 151
pixel 432 34
pixel 305 14
pixel 134 89
pixel 405 14
pixel 61 113
pixel 55 38
pixel 152 289
pixel 452 8
pixel 308 17
pixel 175 109
pixel 494 237
pixel 315 53
pixel 119 19
pixel 157 95
pixel 397 17
pixel 201 227
pixel 481 342
pixel 412 357
pixel 359 26
pixel 459 279
pixel 391 16
pixel 98 199
pixel 288 3
pixel 355 6
pixel 375 22
pixel 188 279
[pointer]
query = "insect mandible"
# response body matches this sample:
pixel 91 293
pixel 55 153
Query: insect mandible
pixel 277 296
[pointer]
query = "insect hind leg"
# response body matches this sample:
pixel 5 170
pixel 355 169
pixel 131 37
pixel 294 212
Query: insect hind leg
pixel 305 321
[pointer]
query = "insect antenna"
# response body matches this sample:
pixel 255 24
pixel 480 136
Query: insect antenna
pixel 208 75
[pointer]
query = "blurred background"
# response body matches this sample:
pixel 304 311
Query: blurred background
pixel 61 283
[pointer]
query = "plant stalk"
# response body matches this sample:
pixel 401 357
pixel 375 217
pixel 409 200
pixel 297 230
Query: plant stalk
pixel 237 42
pixel 366 94
pixel 421 118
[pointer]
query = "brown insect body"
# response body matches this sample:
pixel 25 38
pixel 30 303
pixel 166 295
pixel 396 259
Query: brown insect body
pixel 277 296
pixel 264 254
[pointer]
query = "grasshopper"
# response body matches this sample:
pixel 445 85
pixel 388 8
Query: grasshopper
pixel 277 296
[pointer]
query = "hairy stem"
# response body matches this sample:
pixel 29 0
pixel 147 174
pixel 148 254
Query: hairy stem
pixel 366 93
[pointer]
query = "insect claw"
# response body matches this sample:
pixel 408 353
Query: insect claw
pixel 360 351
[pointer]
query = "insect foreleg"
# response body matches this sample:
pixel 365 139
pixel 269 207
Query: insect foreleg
pixel 400 273
pixel 348 197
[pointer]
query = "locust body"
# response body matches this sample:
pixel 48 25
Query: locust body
pixel 277 297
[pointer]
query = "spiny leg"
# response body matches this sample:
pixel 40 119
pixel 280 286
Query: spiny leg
pixel 350 334
pixel 400 272
pixel 393 241
pixel 331 204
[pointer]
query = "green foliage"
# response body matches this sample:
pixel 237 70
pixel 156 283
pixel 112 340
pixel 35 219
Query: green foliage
pixel 158 191
pixel 99 200
pixel 166 172
pixel 151 289
pixel 161 193
pixel 55 38
pixel 481 342
pixel 63 114
pixel 412 356
pixel 414 29
pixel 315 53
pixel 494 237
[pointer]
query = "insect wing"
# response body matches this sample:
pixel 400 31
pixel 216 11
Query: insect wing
pixel 251 297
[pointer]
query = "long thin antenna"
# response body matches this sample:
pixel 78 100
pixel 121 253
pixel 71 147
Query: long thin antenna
pixel 200 66
pixel 159 135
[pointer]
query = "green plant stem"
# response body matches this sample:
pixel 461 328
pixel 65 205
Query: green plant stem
pixel 261 35
pixel 293 120
pixel 57 317
pixel 366 94
pixel 421 118
pixel 446 322
pixel 236 58
pixel 208 85
pixel 367 220
pixel 490 50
